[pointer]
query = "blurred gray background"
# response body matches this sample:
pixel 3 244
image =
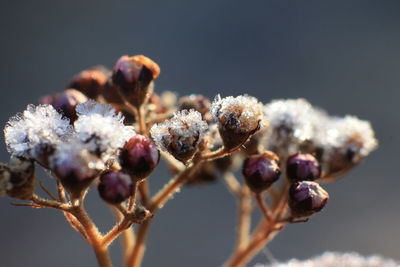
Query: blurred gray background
pixel 341 55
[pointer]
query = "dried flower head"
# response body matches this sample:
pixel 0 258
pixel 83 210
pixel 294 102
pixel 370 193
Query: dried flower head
pixel 133 76
pixel 91 81
pixel 334 259
pixel 22 178
pixel 180 135
pixel 66 102
pixel 302 167
pixel 5 176
pixel 306 198
pixel 238 118
pixel 199 103
pixel 101 129
pixel 75 166
pixel 292 122
pixel 344 142
pixel 36 132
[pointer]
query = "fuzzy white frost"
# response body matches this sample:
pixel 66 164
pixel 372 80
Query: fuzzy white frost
pixel 338 132
pixel 100 128
pixel 183 124
pixel 249 108
pixel 37 125
pixel 333 259
pixel 296 115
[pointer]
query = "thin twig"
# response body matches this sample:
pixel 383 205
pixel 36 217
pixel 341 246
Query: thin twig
pixel 47 191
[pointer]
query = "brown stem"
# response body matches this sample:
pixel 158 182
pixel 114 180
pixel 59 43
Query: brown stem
pixel 135 259
pixel 244 219
pixel 93 235
pixel 263 206
pixel 144 191
pixel 256 244
pixel 132 198
pixel 50 203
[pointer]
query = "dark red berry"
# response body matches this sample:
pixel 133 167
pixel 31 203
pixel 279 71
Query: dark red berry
pixel 66 102
pixel 90 82
pixel 261 171
pixel 306 198
pixel 133 77
pixel 139 157
pixel 115 187
pixel 303 167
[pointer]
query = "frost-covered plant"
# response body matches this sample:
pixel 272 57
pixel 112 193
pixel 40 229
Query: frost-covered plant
pixel 110 130
pixel 334 259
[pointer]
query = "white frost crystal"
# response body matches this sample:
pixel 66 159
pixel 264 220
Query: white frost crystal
pixel 100 128
pixel 332 259
pixel 184 124
pixel 292 120
pixel 341 133
pixel 36 126
pixel 247 110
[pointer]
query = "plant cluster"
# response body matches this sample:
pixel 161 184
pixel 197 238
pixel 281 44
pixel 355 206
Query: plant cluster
pixel 109 129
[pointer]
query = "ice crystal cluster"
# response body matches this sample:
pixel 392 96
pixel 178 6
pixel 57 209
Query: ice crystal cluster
pixel 333 259
pixel 36 127
pixel 81 138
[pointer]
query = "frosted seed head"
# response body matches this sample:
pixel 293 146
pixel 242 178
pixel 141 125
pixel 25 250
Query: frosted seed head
pixel 238 118
pixel 335 259
pixel 344 142
pixel 22 178
pixel 101 129
pixel 180 135
pixel 36 128
pixel 292 123
pixel 75 166
pixel 197 102
pixel 65 102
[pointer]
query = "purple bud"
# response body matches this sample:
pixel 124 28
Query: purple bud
pixel 139 157
pixel 91 81
pixel 306 198
pixel 115 187
pixel 261 171
pixel 66 102
pixel 303 167
pixel 133 77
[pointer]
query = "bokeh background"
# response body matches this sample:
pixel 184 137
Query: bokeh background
pixel 341 55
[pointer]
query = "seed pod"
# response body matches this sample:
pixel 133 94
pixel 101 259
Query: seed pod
pixel 261 171
pixel 238 118
pixel 133 76
pixel 180 135
pixel 302 167
pixel 66 102
pixel 22 178
pixel 139 157
pixel 197 102
pixel 306 198
pixel 75 167
pixel 115 187
pixel 91 81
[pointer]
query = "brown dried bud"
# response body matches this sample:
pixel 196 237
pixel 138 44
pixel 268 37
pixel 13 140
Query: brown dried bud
pixel 306 198
pixel 66 102
pixel 238 119
pixel 22 178
pixel 261 171
pixel 133 76
pixel 91 81
pixel 197 102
